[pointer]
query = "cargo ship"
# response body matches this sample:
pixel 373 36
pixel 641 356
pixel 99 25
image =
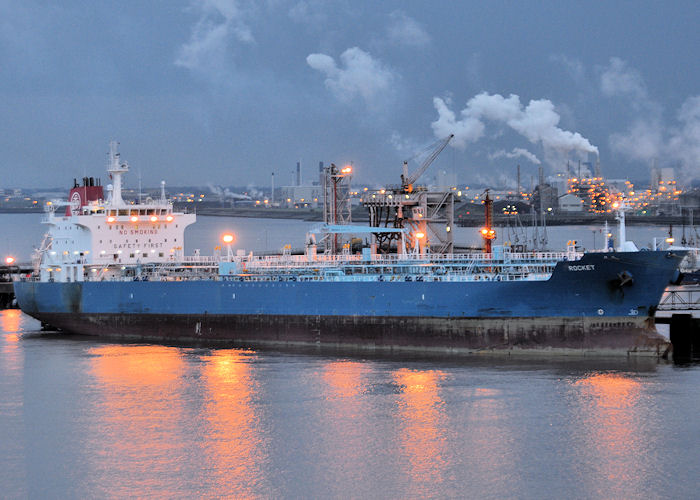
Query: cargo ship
pixel 113 268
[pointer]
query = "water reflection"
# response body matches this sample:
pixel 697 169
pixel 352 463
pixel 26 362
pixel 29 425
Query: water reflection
pixel 423 434
pixel 138 429
pixel 488 445
pixel 614 435
pixel 10 324
pixel 234 446
pixel 345 379
pixel 348 435
pixel 12 420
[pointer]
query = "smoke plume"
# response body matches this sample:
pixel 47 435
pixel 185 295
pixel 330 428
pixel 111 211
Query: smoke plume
pixel 537 122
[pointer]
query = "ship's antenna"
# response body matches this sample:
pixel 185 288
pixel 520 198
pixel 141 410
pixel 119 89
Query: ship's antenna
pixel 162 191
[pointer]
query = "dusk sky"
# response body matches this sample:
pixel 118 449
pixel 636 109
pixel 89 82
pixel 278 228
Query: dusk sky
pixel 227 92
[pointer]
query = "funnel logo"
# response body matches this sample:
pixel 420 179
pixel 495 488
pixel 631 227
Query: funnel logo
pixel 75 203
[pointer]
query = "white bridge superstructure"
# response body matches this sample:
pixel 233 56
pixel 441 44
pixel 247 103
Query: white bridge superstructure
pixel 110 232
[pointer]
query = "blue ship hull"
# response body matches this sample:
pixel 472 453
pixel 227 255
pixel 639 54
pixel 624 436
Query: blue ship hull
pixel 603 303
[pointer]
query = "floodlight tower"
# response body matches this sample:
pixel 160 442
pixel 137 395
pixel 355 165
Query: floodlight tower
pixel 336 201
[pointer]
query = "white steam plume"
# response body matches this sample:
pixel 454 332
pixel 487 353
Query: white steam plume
pixel 538 122
pixel 225 193
pixel 499 180
pixel 516 153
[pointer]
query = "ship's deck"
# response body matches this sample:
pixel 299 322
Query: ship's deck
pixel 500 266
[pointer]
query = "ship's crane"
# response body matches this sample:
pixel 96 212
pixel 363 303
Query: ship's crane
pixel 407 181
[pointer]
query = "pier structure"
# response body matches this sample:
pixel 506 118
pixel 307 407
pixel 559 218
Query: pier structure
pixel 428 216
pixel 8 272
pixel 679 308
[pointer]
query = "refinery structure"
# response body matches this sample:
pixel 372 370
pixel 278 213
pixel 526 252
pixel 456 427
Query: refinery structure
pixel 577 190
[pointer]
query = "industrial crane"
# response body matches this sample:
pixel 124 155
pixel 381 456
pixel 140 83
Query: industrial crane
pixel 408 181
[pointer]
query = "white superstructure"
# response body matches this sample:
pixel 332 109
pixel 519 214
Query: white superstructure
pixel 95 231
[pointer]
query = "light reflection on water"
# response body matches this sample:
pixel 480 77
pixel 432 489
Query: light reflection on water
pixel 138 409
pixel 346 440
pixel 81 417
pixel 422 428
pixel 12 451
pixel 10 322
pixel 234 444
pixel 616 421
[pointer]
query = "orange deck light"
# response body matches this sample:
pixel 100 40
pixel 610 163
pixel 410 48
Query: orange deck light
pixel 9 260
pixel 134 218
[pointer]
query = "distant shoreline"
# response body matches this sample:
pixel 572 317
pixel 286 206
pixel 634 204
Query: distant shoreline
pixel 359 215
pixel 472 220
pixel 6 210
pixel 575 220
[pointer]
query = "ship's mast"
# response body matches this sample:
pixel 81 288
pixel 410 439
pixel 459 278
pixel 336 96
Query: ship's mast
pixel 622 228
pixel 116 169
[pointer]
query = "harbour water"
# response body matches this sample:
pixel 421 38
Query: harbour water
pixel 84 417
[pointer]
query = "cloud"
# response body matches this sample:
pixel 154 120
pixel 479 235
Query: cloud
pixel 401 144
pixel 220 22
pixel 311 12
pixel 574 67
pixel 538 122
pixel 516 153
pixel 404 30
pixel 684 141
pixel 642 141
pixel 360 75
pixel 650 136
pixel 619 78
